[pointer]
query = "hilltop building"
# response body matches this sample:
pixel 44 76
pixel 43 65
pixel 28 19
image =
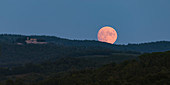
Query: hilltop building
pixel 33 41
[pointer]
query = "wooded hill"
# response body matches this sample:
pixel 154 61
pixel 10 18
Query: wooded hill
pixel 150 69
pixel 14 55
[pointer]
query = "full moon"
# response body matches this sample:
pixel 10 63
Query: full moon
pixel 107 34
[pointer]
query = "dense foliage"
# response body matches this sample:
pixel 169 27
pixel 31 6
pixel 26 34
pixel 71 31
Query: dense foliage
pixel 151 69
pixel 66 64
pixel 81 62
pixel 14 55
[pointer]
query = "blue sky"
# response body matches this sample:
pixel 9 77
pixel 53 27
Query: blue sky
pixel 136 21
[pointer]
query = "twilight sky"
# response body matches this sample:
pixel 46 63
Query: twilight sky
pixel 135 21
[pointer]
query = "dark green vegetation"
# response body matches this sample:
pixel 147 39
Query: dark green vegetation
pixel 150 69
pixel 75 62
pixel 13 54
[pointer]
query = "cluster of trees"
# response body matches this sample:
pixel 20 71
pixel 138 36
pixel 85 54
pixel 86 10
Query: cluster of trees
pixel 13 54
pixel 150 69
pixel 66 64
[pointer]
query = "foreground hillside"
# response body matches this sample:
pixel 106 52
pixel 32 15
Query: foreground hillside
pixel 151 69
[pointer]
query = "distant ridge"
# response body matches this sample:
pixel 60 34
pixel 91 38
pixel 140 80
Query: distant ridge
pixel 158 46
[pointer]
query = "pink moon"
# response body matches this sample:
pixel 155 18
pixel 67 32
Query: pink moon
pixel 107 34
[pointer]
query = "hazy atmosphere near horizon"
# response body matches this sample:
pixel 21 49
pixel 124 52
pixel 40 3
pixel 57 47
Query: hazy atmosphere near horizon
pixel 136 21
